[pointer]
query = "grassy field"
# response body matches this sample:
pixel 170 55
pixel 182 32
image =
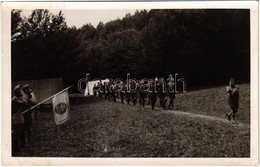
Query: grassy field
pixel 99 128
pixel 213 102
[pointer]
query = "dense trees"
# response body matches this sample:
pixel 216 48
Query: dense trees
pixel 208 46
pixel 15 23
pixel 45 47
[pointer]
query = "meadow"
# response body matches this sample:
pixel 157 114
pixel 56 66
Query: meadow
pixel 213 102
pixel 99 128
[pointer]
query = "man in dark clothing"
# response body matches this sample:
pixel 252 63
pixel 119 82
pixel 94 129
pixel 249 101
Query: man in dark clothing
pixel 233 99
pixel 127 95
pixel 142 97
pixel 101 90
pixel 153 94
pixel 113 92
pixel 162 93
pixel 95 90
pixel 18 106
pixel 122 93
pixel 171 94
pixel 29 116
pixel 109 91
pixel 134 97
pixel 105 90
pixel 133 93
pixel 143 91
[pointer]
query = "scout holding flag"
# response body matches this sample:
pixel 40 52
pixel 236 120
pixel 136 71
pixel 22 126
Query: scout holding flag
pixel 61 109
pixel 61 106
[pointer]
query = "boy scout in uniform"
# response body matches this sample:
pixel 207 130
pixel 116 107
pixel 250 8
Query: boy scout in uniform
pixel 18 106
pixel 233 99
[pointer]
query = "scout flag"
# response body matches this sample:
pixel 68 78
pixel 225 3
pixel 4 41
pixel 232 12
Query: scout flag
pixel 61 107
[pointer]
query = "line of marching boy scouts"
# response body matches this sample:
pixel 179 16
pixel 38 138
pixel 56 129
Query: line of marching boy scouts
pixel 156 88
pixel 142 91
pixel 23 99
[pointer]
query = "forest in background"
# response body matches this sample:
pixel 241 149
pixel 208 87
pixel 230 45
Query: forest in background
pixel 205 46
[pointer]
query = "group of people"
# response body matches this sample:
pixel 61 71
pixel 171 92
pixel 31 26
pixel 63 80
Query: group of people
pixel 142 91
pixel 23 99
pixel 156 88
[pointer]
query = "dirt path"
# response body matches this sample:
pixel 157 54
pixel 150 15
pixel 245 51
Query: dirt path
pixel 200 116
pixel 194 115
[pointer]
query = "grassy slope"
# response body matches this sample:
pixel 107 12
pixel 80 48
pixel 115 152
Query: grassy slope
pixel 107 129
pixel 214 102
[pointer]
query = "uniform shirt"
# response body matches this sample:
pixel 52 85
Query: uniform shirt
pixel 233 96
pixel 171 90
pixel 18 106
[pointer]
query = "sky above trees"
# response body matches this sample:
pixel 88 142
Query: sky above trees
pixel 78 18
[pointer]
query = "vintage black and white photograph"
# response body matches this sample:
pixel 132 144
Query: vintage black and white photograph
pixel 131 83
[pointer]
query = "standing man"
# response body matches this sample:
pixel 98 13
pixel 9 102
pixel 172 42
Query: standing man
pixel 95 90
pixel 122 92
pixel 100 93
pixel 233 99
pixel 29 116
pixel 133 93
pixel 127 93
pixel 143 91
pixel 162 93
pixel 106 90
pixel 113 91
pixel 18 106
pixel 31 99
pixel 153 93
pixel 171 93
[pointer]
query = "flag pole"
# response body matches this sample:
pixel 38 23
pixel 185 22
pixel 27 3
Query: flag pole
pixel 46 99
pixel 87 77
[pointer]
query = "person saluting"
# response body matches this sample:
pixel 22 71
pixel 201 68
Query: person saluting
pixel 233 99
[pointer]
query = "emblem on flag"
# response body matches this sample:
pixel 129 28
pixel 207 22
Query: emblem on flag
pixel 61 107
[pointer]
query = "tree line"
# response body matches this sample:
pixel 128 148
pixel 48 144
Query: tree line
pixel 206 46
